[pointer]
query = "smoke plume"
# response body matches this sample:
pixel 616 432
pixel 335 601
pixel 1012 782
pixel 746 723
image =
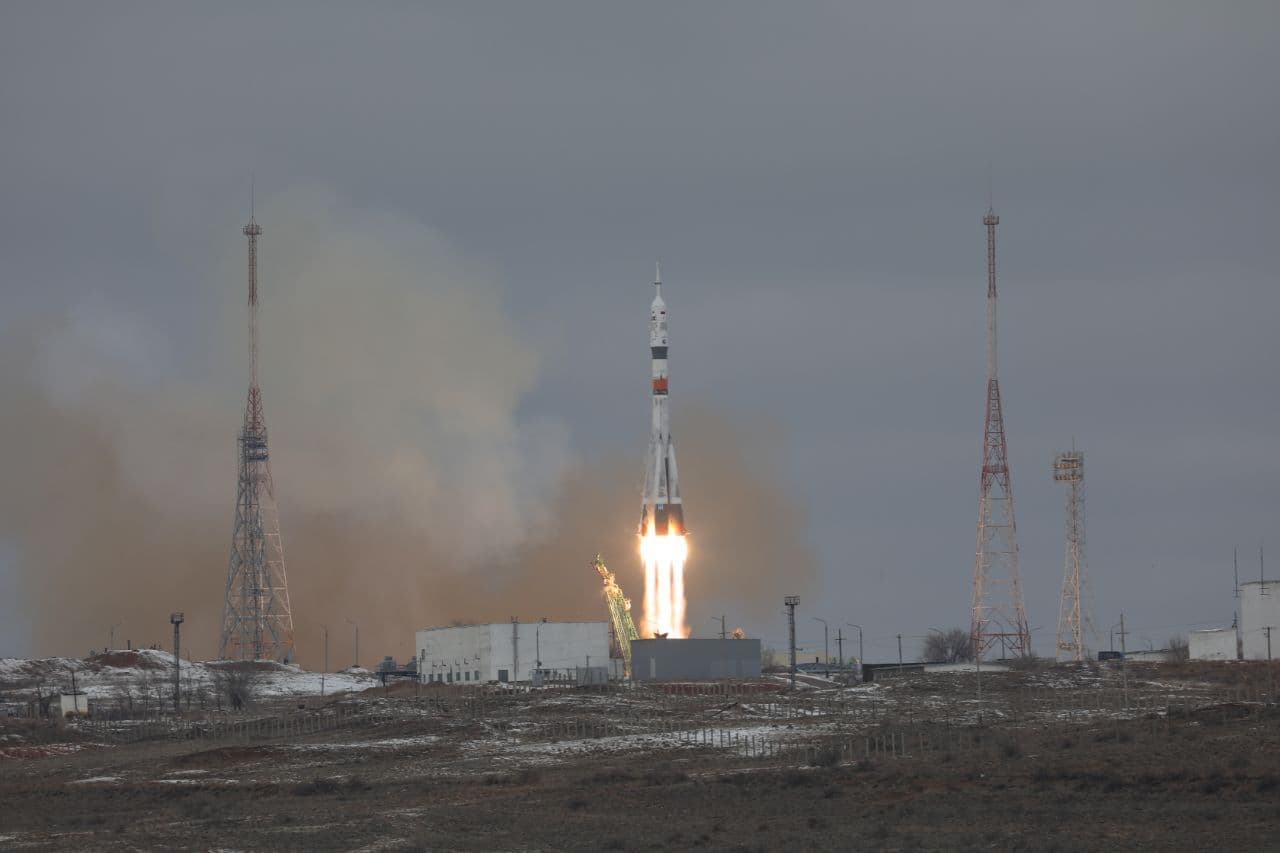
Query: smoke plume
pixel 411 491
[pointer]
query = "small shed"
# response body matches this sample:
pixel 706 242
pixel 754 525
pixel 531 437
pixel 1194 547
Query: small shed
pixel 74 704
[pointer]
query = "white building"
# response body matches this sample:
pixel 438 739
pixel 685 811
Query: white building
pixel 1260 616
pixel 509 651
pixel 1212 644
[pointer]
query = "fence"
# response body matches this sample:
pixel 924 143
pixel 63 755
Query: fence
pixel 244 730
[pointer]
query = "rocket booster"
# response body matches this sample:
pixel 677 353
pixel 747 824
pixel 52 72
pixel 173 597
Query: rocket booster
pixel 661 510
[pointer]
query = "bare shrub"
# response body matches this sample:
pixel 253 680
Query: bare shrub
pixel 237 684
pixel 953 646
pixel 318 785
pixel 1179 647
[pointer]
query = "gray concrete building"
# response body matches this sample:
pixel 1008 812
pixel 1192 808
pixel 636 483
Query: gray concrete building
pixel 698 660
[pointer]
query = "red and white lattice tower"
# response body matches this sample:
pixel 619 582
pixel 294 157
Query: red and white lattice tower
pixel 998 615
pixel 257 623
pixel 1069 468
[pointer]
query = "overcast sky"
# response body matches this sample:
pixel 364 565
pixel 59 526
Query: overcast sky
pixel 813 177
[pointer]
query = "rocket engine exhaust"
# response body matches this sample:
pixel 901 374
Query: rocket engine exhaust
pixel 663 546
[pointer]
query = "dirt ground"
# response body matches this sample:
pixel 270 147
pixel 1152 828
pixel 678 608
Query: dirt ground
pixel 1173 758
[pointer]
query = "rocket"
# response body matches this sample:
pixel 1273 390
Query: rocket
pixel 661 510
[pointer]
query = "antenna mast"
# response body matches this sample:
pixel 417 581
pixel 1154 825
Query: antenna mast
pixel 257 622
pixel 998 614
pixel 1069 468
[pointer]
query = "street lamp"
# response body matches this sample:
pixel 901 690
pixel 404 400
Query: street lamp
pixel 859 627
pixel 826 639
pixel 357 627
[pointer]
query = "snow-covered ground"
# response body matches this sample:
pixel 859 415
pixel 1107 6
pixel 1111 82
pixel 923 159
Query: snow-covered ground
pixel 121 673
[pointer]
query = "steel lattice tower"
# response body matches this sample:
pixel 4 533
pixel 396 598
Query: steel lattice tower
pixel 257 623
pixel 998 614
pixel 1069 468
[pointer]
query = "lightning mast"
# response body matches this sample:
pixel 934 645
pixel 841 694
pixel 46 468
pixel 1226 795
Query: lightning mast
pixel 257 623
pixel 998 614
pixel 1069 468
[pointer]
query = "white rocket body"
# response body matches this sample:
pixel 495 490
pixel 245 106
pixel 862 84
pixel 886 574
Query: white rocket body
pixel 661 510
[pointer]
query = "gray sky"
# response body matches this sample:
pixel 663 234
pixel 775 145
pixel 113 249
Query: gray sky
pixel 813 177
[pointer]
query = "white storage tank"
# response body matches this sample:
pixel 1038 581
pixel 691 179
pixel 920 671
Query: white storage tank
pixel 1260 611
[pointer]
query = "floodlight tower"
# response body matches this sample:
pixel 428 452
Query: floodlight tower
pixel 1069 468
pixel 257 623
pixel 998 614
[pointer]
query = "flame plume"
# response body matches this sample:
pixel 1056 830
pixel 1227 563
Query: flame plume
pixel 664 602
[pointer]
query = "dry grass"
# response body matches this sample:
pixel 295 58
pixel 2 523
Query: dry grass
pixel 1205 777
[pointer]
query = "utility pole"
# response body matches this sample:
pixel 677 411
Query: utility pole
pixel 1268 630
pixel 791 601
pixel 176 618
pixel 1124 661
pixel 840 646
pixel 899 650
pixel 357 627
pixel 723 633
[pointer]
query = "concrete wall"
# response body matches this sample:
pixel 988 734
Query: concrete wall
pixel 1214 644
pixel 1260 608
pixel 503 651
pixel 701 660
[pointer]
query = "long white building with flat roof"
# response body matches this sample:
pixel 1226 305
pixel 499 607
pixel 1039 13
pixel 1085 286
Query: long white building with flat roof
pixel 508 651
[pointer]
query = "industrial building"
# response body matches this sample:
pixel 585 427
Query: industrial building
pixel 1260 619
pixel 1213 644
pixel 509 651
pixel 701 660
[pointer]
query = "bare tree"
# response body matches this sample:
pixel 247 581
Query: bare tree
pixel 1179 648
pixel 237 684
pixel 952 647
pixel 768 659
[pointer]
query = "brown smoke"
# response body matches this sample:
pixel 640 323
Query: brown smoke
pixel 411 495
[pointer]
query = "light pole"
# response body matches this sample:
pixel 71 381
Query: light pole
pixel 326 658
pixel 723 632
pixel 859 627
pixel 792 601
pixel 176 619
pixel 826 639
pixel 111 636
pixel 357 627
